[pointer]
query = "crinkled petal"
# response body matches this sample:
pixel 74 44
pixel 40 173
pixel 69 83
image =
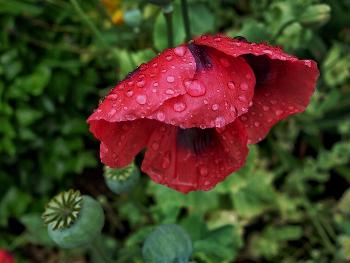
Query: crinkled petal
pixel 216 95
pixel 195 159
pixel 121 141
pixel 284 84
pixel 148 87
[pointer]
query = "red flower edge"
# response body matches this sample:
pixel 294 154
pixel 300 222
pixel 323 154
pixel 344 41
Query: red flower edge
pixel 6 257
pixel 197 106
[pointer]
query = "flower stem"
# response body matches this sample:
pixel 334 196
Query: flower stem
pixel 186 19
pixel 98 251
pixel 168 14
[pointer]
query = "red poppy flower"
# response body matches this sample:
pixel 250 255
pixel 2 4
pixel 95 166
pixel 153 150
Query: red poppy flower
pixel 6 257
pixel 197 106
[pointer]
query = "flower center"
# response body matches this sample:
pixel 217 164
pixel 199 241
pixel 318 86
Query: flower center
pixel 197 140
pixel 261 65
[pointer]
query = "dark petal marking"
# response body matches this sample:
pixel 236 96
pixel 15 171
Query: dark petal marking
pixel 196 139
pixel 201 56
pixel 261 66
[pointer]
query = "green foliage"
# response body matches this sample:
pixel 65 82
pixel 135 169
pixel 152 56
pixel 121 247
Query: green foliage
pixel 290 203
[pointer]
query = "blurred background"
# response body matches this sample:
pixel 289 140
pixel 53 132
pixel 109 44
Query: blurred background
pixel 291 201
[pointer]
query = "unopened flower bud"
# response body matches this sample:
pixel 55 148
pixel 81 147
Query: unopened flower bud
pixel 73 219
pixel 315 15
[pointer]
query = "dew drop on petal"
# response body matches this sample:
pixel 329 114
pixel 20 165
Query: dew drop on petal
pixel 273 102
pixel 225 62
pixel 203 171
pixel 257 124
pixel 279 112
pixel 170 79
pixel 169 58
pixel 242 98
pixel 220 122
pixel 265 108
pixel 244 86
pixel 113 96
pixel 231 85
pixel 179 107
pixel 195 88
pixel 155 84
pixel 215 107
pixel 129 93
pixel 141 99
pixel 155 146
pixel 205 102
pixel 180 51
pixel 140 83
pixel 160 116
pixel 169 91
pixel 112 112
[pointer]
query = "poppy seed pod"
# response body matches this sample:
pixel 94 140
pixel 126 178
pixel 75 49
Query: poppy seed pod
pixel 316 15
pixel 196 107
pixel 167 244
pixel 73 220
pixel 121 180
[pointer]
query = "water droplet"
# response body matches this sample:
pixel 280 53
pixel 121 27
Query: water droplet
pixel 257 124
pixel 206 183
pixel 266 108
pixel 130 83
pixel 279 112
pixel 195 88
pixel 215 107
pixel 308 63
pixel 129 93
pixel 205 102
pixel 231 85
pixel 169 91
pixel 160 116
pixel 242 98
pixel 112 112
pixel 155 84
pixel 267 51
pixel 168 58
pixel 203 171
pixel 155 65
pixel 180 106
pixel 170 79
pixel 112 96
pixel 163 70
pixel 141 99
pixel 180 51
pixel 233 110
pixel 243 109
pixel 166 162
pixel 220 122
pixel 204 37
pixel 217 39
pixel 140 83
pixel 225 62
pixel 155 146
pixel 244 118
pixel 154 90
pixel 273 102
pixel 244 86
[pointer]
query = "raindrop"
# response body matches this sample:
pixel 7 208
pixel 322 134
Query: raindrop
pixel 266 108
pixel 220 122
pixel 244 86
pixel 180 51
pixel 130 83
pixel 203 171
pixel 267 51
pixel 112 112
pixel 231 85
pixel 160 116
pixel 169 92
pixel 205 102
pixel 279 112
pixel 242 98
pixel 113 96
pixel 180 106
pixel 244 118
pixel 170 79
pixel 225 62
pixel 166 162
pixel 215 107
pixel 273 102
pixel 141 99
pixel 140 83
pixel 155 65
pixel 195 88
pixel 155 146
pixel 217 39
pixel 155 84
pixel 257 124
pixel 169 58
pixel 129 93
pixel 204 37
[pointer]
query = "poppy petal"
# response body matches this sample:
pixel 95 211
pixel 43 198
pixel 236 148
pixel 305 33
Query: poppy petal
pixel 223 90
pixel 284 84
pixel 121 141
pixel 145 90
pixel 195 159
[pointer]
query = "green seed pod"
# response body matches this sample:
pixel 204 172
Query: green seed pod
pixel 315 15
pixel 133 17
pixel 73 220
pixel 121 180
pixel 167 244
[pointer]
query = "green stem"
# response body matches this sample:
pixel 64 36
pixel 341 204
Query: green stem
pixel 88 22
pixel 281 30
pixel 168 15
pixel 186 19
pixel 98 251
